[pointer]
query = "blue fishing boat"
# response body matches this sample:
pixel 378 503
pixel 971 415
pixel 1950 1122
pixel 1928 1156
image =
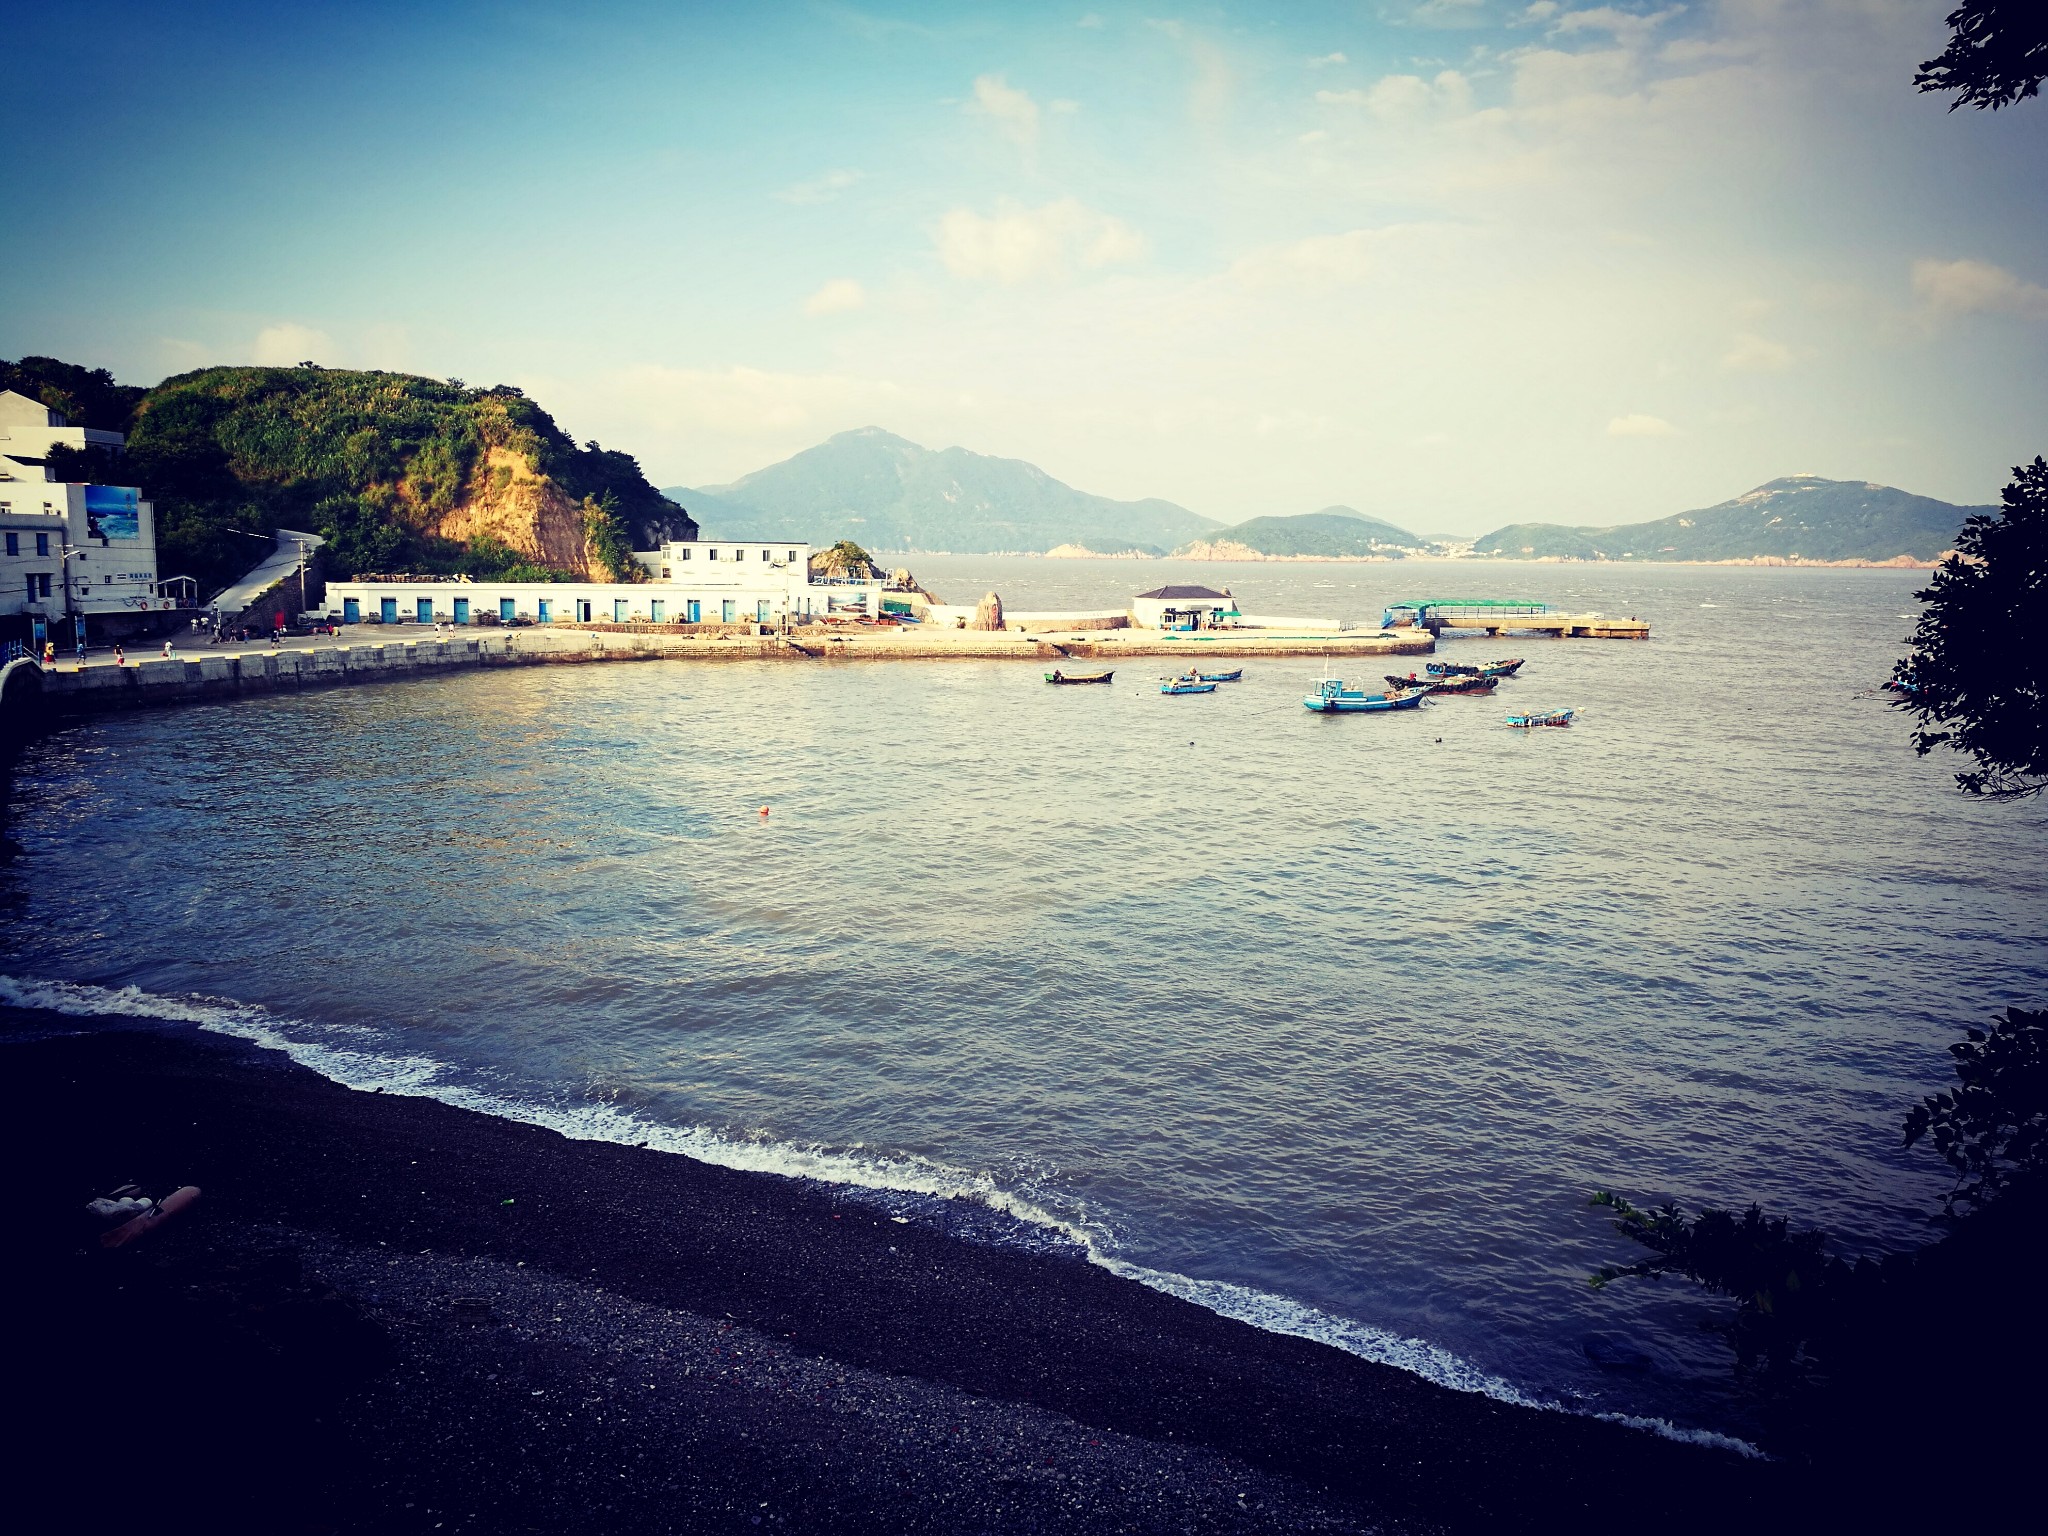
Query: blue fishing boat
pixel 1525 722
pixel 1222 677
pixel 1333 698
pixel 1188 684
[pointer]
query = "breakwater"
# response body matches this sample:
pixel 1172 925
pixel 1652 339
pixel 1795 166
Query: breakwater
pixel 29 690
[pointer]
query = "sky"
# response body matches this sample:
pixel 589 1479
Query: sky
pixel 1454 263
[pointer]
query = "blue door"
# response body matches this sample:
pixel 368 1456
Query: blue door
pixel 657 611
pixel 423 610
pixel 728 611
pixel 696 611
pixel 508 610
pixel 618 610
pixel 351 610
pixel 582 610
pixel 462 610
pixel 761 611
pixel 387 610
pixel 546 609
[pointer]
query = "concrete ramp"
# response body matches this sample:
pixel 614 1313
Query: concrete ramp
pixel 281 563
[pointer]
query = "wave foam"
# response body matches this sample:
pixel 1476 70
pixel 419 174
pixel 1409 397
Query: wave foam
pixel 856 1168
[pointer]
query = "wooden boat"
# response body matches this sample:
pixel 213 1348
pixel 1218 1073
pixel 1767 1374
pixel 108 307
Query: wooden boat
pixel 1463 683
pixel 1222 677
pixel 1506 668
pixel 1541 717
pixel 1067 679
pixel 1333 698
pixel 1188 684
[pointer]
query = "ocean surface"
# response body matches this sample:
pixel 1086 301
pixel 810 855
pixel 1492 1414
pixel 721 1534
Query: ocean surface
pixel 1330 1023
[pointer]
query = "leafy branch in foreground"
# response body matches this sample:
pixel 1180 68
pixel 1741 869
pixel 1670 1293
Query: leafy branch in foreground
pixel 1977 675
pixel 1997 54
pixel 1992 1127
pixel 1790 1289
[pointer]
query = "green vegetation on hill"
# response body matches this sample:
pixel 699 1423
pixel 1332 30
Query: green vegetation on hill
pixel 376 462
pixel 1798 517
pixel 891 495
pixel 1331 534
pixel 88 397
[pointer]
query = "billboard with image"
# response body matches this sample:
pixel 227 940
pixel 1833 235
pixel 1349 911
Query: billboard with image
pixel 113 511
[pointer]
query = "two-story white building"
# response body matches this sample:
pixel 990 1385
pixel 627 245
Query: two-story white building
pixel 68 550
pixel 709 581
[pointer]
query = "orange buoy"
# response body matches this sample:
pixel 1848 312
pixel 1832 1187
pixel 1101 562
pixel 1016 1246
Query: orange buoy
pixel 764 810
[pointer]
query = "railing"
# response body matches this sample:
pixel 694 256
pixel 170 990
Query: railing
pixel 12 650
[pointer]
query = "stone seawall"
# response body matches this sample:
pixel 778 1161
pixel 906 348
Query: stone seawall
pixel 29 692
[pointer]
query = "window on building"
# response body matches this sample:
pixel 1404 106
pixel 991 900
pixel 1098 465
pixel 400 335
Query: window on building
pixel 14 543
pixel 710 554
pixel 666 573
pixel 42 544
pixel 739 554
pixel 684 553
pixel 765 555
pixel 792 557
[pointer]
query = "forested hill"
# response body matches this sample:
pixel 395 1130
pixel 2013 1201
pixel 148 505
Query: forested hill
pixel 889 495
pixel 399 472
pixel 1799 517
pixel 1335 533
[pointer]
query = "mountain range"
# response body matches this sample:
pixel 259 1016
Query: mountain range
pixel 891 495
pixel 1798 517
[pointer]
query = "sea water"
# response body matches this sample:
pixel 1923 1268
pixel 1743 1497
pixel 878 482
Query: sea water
pixel 1330 1023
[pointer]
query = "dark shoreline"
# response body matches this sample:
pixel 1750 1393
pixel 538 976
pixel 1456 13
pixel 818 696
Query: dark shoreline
pixel 347 1327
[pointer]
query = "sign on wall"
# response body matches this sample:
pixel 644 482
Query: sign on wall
pixel 113 511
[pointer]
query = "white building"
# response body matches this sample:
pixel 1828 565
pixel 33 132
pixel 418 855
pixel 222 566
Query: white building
pixel 1183 608
pixel 66 550
pixel 713 581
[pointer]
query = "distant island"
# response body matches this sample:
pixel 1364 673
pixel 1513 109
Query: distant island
pixel 1795 520
pixel 1335 533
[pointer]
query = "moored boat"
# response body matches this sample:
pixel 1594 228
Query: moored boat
pixel 1462 683
pixel 1190 683
pixel 1533 718
pixel 1507 668
pixel 1070 678
pixel 1222 677
pixel 1333 698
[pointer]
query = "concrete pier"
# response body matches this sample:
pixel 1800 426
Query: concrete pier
pixel 29 691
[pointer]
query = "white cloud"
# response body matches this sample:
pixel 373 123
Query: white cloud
pixel 285 343
pixel 821 189
pixel 1640 425
pixel 1017 244
pixel 1399 96
pixel 836 298
pixel 1012 110
pixel 1327 59
pixel 1091 21
pixel 1542 10
pixel 1751 353
pixel 1623 26
pixel 1977 287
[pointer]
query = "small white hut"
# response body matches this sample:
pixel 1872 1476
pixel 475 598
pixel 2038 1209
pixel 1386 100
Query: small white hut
pixel 1183 608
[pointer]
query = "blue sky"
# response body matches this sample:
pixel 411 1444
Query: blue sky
pixel 1454 263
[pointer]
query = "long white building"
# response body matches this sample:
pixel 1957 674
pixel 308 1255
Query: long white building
pixel 68 550
pixel 710 581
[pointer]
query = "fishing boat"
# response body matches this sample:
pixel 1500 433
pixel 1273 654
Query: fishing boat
pixel 1188 684
pixel 1506 668
pixel 1333 698
pixel 1541 717
pixel 1463 683
pixel 1068 679
pixel 1222 677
